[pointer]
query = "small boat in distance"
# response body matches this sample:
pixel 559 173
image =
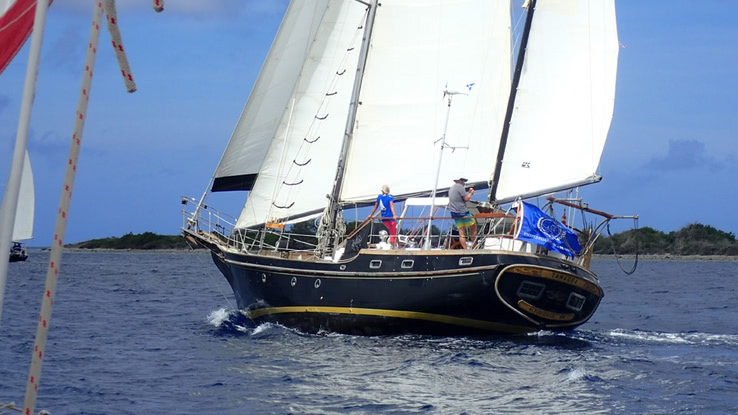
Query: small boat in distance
pixel 24 214
pixel 354 95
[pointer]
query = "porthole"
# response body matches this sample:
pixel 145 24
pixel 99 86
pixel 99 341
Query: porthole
pixel 466 261
pixel 294 281
pixel 342 267
pixel 317 283
pixel 575 302
pixel 531 290
pixel 408 263
pixel 375 263
pixel 263 278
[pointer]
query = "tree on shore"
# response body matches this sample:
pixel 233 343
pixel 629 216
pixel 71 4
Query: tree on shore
pixel 693 239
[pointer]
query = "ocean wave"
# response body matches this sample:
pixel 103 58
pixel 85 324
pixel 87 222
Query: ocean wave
pixel 686 338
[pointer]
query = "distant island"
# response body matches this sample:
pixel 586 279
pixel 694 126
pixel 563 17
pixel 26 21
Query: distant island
pixel 693 239
pixel 145 241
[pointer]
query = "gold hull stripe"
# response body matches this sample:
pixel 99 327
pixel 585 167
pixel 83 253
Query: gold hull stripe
pixel 565 278
pixel 543 313
pixel 412 315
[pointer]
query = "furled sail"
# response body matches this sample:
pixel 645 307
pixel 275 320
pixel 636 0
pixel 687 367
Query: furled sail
pixel 299 165
pixel 564 101
pixel 23 225
pixel 418 49
pixel 253 134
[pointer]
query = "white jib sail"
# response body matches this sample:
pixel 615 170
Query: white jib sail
pixel 565 98
pixel 300 164
pixel 23 226
pixel 418 49
pixel 253 133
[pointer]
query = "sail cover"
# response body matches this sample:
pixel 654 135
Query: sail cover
pixel 253 134
pixel 418 49
pixel 565 99
pixel 299 166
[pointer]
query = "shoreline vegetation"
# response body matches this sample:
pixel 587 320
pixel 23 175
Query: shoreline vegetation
pixel 694 241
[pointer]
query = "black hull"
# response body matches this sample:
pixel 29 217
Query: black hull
pixel 17 257
pixel 422 292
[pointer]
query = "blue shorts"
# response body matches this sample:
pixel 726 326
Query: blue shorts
pixel 463 220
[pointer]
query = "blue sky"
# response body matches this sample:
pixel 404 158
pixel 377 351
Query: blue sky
pixel 670 157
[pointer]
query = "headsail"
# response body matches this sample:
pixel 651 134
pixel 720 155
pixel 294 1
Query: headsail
pixel 299 166
pixel 23 225
pixel 564 101
pixel 242 159
pixel 418 49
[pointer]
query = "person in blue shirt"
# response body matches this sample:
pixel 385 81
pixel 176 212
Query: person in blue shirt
pixel 386 203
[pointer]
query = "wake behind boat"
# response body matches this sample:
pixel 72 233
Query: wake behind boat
pixel 314 142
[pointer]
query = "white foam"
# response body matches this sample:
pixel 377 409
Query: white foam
pixel 217 317
pixel 676 338
pixel 576 374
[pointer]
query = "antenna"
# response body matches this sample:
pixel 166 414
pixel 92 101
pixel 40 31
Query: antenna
pixel 450 94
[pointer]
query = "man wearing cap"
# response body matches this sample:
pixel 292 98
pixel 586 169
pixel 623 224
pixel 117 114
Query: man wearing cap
pixel 457 198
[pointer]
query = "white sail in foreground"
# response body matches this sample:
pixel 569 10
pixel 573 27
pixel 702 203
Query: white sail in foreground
pixel 23 226
pixel 565 99
pixel 418 49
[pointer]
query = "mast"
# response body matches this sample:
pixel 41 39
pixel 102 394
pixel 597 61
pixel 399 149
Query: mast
pixel 511 101
pixel 333 206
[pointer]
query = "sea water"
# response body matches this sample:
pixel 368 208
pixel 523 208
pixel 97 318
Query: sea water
pixel 138 332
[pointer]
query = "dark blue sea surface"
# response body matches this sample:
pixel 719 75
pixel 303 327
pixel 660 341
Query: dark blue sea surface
pixel 135 333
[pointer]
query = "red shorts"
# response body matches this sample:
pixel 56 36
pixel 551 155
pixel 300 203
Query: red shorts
pixel 392 227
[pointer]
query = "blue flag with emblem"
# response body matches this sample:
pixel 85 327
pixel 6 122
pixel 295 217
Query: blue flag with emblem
pixel 541 229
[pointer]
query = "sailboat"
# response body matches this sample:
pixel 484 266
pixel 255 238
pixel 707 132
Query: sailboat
pixel 354 95
pixel 24 214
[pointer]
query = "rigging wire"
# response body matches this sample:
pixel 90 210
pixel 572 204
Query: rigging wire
pixel 212 278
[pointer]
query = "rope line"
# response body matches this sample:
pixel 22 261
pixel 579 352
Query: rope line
pixel 57 245
pixel 117 41
pixel 52 273
pixel 617 257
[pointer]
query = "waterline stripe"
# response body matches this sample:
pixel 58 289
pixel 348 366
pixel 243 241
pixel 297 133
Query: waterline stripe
pixel 412 315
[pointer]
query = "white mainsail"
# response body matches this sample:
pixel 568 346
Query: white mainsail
pixel 299 166
pixel 253 134
pixel 418 49
pixel 565 98
pixel 23 225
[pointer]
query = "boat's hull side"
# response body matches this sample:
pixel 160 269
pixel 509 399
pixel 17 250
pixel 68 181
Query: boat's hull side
pixel 391 292
pixel 17 257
